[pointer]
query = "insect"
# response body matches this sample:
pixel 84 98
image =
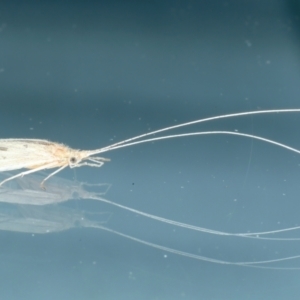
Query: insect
pixel 37 155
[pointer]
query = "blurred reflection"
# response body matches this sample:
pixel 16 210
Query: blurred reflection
pixel 25 207
pixel 27 190
pixel 46 219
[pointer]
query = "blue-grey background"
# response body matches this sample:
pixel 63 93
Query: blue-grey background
pixel 89 73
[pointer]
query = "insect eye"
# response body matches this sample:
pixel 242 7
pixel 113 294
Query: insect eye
pixel 73 160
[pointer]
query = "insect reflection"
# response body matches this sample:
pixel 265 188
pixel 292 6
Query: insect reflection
pixel 24 207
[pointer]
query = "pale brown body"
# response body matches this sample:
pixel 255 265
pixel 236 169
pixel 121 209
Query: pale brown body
pixel 37 155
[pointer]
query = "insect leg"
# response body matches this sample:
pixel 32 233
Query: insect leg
pixel 43 167
pixel 53 173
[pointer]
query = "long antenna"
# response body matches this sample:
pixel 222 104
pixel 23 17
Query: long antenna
pixel 104 149
pixel 195 134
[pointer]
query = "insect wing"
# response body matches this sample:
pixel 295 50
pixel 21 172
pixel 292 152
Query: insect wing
pixel 24 153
